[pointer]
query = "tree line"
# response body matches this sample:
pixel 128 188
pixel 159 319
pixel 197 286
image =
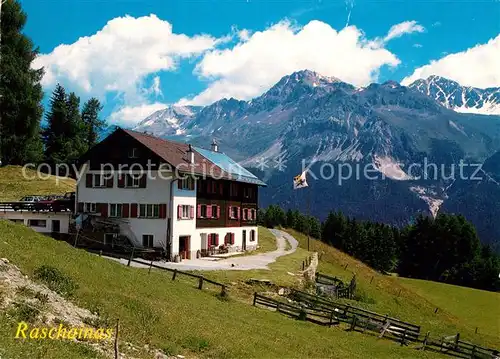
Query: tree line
pixel 69 130
pixel 445 249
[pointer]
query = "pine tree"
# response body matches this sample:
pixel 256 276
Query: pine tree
pixel 57 127
pixel 20 90
pixel 90 118
pixel 76 131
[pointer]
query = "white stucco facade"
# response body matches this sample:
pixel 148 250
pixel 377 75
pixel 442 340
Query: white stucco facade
pixel 184 236
pixel 42 222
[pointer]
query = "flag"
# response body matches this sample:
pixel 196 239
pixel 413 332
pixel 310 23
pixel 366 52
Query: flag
pixel 300 181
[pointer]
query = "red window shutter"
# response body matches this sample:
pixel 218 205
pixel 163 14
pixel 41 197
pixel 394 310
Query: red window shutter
pixel 133 210
pixel 142 181
pixel 163 210
pixel 191 212
pixel 80 206
pixel 209 211
pixel 216 239
pixel 238 213
pixel 226 238
pixel 121 181
pixel 88 180
pixel 103 208
pixel 217 215
pixel 232 238
pixel 125 210
pixel 179 211
pixel 199 211
pixel 229 214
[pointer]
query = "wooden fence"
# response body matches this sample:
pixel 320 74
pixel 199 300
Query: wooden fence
pixel 317 316
pixel 339 289
pixel 361 318
pixel 452 345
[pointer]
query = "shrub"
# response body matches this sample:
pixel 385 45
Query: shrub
pixel 196 344
pixel 26 292
pixel 42 298
pixel 56 280
pixel 24 312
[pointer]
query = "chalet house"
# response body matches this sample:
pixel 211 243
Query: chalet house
pixel 186 200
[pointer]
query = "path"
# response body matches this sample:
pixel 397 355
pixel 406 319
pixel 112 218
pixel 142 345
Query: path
pixel 258 261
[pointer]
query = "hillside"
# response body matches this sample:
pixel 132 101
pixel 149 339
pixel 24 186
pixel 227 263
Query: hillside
pixel 179 319
pixel 16 183
pixel 460 309
pixel 175 316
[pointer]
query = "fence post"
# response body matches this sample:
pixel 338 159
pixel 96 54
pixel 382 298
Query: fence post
pixel 403 338
pixel 371 280
pixel 303 265
pixel 456 340
pixel 425 340
pixel 353 324
pixel 150 265
pixel 131 256
pixel 331 318
pixel 473 353
pixel 200 283
pixel 223 292
pixel 100 253
pixel 254 298
pixel 117 355
pixel 175 274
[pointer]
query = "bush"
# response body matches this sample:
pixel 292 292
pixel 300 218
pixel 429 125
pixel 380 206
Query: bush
pixel 56 280
pixel 24 312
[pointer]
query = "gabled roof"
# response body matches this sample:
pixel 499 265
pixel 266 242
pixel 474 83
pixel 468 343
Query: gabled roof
pixel 211 164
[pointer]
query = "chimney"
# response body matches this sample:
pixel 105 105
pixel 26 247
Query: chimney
pixel 214 146
pixel 190 154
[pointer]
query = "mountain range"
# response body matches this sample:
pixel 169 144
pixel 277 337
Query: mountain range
pixel 415 140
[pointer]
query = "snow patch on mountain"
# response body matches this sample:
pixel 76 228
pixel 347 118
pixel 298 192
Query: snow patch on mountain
pixel 459 98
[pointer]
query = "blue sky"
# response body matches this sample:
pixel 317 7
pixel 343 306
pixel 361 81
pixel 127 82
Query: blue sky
pixel 195 52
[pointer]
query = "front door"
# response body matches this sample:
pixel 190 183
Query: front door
pixel 244 240
pixel 56 226
pixel 184 250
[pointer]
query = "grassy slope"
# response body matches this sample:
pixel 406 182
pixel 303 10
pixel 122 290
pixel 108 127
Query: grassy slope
pixel 179 318
pixel 460 309
pixel 14 185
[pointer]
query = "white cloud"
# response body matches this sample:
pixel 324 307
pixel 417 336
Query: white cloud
pixel 405 27
pixel 477 66
pixel 120 55
pixel 418 46
pixel 252 66
pixel 129 116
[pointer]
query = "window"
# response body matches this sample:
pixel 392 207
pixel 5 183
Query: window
pixel 133 153
pixel 229 238
pixel 89 207
pixel 109 237
pixel 149 211
pixel 215 212
pixel 203 211
pixel 252 235
pixel 99 180
pixel 234 212
pixel 245 214
pixel 233 189
pixel 186 183
pixel 185 211
pixel 133 181
pixel 253 214
pixel 213 239
pixel 41 223
pixel 115 209
pixel 147 240
pixel 248 192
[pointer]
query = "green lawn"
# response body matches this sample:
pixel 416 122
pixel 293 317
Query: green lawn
pixel 14 184
pixel 175 316
pixel 460 309
pixel 478 308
